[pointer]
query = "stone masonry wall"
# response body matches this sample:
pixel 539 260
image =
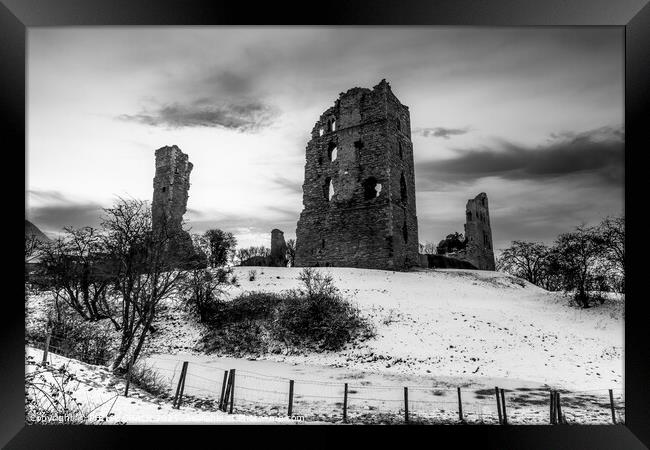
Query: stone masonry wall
pixel 278 257
pixel 170 194
pixel 478 232
pixel 361 156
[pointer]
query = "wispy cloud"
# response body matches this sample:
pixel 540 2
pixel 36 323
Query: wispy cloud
pixel 246 116
pixel 440 132
pixel 294 186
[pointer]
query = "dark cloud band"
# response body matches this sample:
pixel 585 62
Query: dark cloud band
pixel 598 152
pixel 249 116
pixel 440 132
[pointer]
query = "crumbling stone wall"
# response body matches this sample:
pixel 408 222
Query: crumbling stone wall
pixel 278 256
pixel 359 188
pixel 478 232
pixel 171 184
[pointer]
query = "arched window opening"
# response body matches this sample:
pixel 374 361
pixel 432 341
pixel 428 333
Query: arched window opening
pixel 402 188
pixel 371 188
pixel 331 125
pixel 330 191
pixel 358 145
pixel 327 187
pixel 332 151
pixel 321 132
pixel 164 188
pixel 322 243
pixel 405 232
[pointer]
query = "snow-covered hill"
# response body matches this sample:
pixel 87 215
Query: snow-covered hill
pixel 450 323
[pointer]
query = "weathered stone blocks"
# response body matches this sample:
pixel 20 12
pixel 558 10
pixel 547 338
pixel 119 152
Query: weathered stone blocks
pixel 359 208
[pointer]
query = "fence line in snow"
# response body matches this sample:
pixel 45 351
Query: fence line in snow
pixel 247 391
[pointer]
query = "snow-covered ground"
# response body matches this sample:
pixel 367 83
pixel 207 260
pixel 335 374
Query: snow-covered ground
pixel 102 393
pixel 436 330
pixel 452 323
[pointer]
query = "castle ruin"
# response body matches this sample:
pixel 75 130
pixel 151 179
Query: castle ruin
pixel 171 184
pixel 478 234
pixel 278 256
pixel 359 188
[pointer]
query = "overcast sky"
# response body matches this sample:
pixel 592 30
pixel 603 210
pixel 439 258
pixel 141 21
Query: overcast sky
pixel 531 116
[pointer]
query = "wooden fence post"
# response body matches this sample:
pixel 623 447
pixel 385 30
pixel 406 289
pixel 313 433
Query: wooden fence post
pixel 560 417
pixel 181 386
pixel 223 389
pixel 503 407
pixel 290 410
pixel 460 407
pixel 226 397
pixel 345 403
pixel 406 404
pixel 611 405
pixel 232 391
pixel 496 392
pixel 47 345
pixel 552 407
pixel 128 379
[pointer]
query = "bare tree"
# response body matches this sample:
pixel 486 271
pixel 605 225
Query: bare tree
pixel 219 246
pixel 525 260
pixel 612 232
pixel 74 271
pixel 291 251
pixel 452 243
pixel 32 247
pixel 203 288
pixel 145 270
pixel 578 256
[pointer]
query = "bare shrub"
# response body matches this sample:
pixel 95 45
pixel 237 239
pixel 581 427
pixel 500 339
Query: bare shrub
pixel 50 397
pixel 146 378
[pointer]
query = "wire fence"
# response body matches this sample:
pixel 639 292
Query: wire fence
pixel 218 387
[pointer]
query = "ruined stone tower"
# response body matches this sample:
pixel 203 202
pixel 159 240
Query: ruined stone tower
pixel 478 233
pixel 170 193
pixel 278 256
pixel 359 188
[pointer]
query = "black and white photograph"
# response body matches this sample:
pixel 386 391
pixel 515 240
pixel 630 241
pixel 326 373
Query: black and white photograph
pixel 304 225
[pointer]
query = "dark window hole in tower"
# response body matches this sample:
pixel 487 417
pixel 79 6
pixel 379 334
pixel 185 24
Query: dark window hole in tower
pixel 326 188
pixel 405 232
pixel 322 243
pixel 371 188
pixel 332 151
pixel 402 188
pixel 358 145
pixel 164 189
pixel 401 150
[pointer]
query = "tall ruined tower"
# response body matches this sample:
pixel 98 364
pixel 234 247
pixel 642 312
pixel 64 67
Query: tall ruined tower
pixel 359 188
pixel 170 193
pixel 478 233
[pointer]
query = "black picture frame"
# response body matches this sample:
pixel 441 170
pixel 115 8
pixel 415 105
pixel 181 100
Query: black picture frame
pixel 633 15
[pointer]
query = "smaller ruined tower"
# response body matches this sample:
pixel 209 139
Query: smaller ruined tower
pixel 278 249
pixel 170 187
pixel 478 233
pixel 170 193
